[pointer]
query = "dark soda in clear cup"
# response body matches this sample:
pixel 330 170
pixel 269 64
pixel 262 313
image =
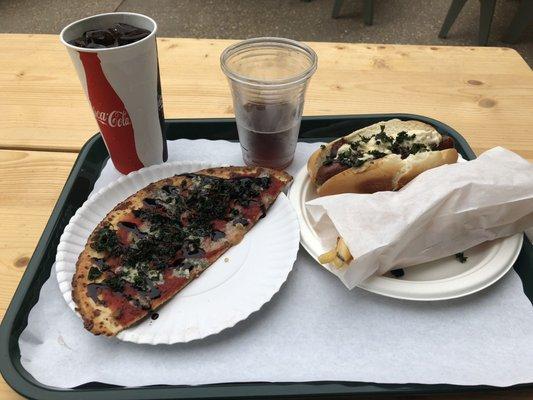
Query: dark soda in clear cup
pixel 268 78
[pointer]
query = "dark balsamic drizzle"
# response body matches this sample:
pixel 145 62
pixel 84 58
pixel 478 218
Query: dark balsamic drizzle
pixel 176 263
pixel 93 289
pixel 128 225
pixel 171 190
pixel 185 265
pixel 153 292
pixel 98 261
pixel 150 202
pixel 216 235
pixel 192 251
pixel 131 227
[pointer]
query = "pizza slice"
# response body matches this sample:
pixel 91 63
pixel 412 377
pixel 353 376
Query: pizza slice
pixel 154 243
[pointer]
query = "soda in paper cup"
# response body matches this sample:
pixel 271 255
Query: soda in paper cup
pixel 115 56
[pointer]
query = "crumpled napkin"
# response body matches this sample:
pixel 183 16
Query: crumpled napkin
pixel 443 211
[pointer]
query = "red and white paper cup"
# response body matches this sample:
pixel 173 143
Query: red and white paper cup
pixel 123 87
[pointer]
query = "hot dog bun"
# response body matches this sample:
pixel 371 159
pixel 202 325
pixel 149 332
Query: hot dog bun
pixel 390 172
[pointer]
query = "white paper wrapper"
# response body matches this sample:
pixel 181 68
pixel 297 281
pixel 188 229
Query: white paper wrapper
pixel 441 212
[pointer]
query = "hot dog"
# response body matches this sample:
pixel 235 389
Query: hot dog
pixel 383 156
pixel 447 143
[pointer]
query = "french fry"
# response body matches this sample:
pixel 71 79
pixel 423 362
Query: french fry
pixel 328 257
pixel 337 262
pixel 343 252
pixel 339 256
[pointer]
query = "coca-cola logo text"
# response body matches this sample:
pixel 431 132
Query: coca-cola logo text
pixel 113 119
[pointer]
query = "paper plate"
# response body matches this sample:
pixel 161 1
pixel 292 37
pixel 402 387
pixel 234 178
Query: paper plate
pixel 436 280
pixel 235 286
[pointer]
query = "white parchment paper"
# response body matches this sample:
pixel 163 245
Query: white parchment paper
pixel 313 329
pixel 441 212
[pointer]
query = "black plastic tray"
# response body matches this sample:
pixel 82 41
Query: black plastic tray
pixel 86 170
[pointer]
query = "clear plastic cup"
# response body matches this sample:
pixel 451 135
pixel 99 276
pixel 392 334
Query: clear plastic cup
pixel 268 78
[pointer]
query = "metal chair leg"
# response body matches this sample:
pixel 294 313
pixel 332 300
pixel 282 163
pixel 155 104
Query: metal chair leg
pixel 336 9
pixel 485 20
pixel 453 12
pixel 368 11
pixel 522 18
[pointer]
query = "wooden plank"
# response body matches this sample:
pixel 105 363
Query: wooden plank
pixel 6 393
pixel 485 93
pixel 30 183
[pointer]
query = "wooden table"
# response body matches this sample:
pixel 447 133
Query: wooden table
pixel 484 93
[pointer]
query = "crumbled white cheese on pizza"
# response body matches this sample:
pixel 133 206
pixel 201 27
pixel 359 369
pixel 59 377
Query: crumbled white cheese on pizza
pixel 129 274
